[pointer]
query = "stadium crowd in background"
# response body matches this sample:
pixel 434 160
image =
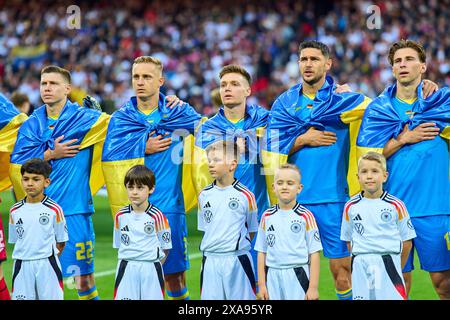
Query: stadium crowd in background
pixel 195 39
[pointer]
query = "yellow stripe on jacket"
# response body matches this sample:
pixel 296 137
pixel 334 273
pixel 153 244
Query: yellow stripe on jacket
pixel 354 118
pixel 96 136
pixel 8 137
pixel 114 173
pixel 272 161
pixel 187 181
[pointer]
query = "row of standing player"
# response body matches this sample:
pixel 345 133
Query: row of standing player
pixel 313 73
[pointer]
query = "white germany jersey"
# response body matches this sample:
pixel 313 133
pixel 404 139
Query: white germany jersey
pixel 35 228
pixel 227 216
pixel 287 237
pixel 141 236
pixel 376 225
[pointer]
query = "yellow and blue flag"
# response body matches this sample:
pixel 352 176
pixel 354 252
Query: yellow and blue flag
pixel 125 144
pixel 382 122
pixel 419 173
pixel 249 170
pixel 10 121
pixel 340 113
pixel 26 55
pixel 80 175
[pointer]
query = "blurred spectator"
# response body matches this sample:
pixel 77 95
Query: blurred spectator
pixel 195 39
pixel 21 101
pixel 216 103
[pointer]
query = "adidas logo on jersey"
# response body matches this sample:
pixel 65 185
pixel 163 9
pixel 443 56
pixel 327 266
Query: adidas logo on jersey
pixel 207 205
pixel 20 221
pixel 357 218
pixel 271 228
pixel 125 228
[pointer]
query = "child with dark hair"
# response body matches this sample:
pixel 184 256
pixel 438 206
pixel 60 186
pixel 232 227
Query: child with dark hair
pixel 142 235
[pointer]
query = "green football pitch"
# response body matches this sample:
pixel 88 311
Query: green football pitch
pixel 106 259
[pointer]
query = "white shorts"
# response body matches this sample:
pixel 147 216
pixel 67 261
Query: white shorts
pixel 37 279
pixel 139 280
pixel 227 277
pixel 377 277
pixel 287 284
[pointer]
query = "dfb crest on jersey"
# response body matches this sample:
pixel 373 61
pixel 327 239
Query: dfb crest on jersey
pixel 296 227
pixel 44 218
pixel 207 215
pixel 233 204
pixel 20 231
pixel 386 215
pixel 149 228
pixel 270 240
pixel 410 225
pixel 166 237
pixel 125 239
pixel 359 228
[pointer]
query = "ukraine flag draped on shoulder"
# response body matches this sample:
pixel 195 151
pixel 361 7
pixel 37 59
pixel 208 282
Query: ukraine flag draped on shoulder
pixel 74 122
pixel 382 122
pixel 10 121
pixel 249 169
pixel 419 173
pixel 328 109
pixel 125 145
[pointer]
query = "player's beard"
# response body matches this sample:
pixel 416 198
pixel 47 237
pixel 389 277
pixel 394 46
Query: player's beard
pixel 314 80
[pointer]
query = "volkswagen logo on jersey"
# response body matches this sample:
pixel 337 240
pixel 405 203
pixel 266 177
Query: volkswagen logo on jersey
pixel 166 237
pixel 43 219
pixel 359 228
pixel 270 240
pixel 125 239
pixel 233 204
pixel 386 215
pixel 296 227
pixel 20 232
pixel 410 225
pixel 316 236
pixel 207 215
pixel 148 228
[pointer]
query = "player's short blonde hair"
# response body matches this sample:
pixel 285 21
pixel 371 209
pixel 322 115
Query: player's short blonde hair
pixel 229 148
pixel 289 166
pixel 373 156
pixel 149 59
